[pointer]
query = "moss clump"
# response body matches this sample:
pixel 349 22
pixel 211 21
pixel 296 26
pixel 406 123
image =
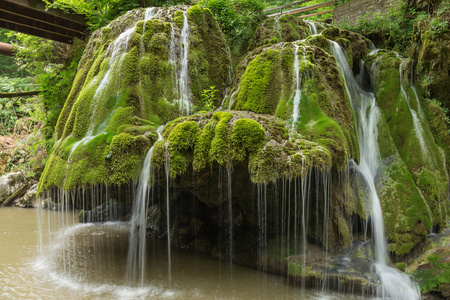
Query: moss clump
pixel 297 270
pixel 220 145
pixel 181 139
pixel 259 89
pixel 434 275
pixel 247 137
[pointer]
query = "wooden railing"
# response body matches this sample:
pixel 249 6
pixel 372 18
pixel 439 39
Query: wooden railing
pixel 300 9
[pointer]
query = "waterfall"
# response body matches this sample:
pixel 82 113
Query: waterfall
pixel 298 93
pixel 230 211
pixel 183 80
pixel 312 27
pixel 167 169
pixel 393 283
pixel 137 247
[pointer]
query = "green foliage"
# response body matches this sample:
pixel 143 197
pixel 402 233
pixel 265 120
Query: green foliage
pixel 13 109
pixel 8 64
pixel 237 19
pixel 53 66
pixel 208 98
pixel 397 26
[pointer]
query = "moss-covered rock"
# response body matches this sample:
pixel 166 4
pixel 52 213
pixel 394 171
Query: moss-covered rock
pixel 286 28
pixel 230 138
pixel 409 129
pixel 266 83
pixel 129 75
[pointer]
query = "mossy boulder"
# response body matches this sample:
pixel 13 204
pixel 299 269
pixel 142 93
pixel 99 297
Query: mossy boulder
pixel 128 80
pixel 265 83
pixel 409 129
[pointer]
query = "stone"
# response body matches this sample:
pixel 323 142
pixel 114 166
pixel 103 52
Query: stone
pixel 10 183
pixel 29 199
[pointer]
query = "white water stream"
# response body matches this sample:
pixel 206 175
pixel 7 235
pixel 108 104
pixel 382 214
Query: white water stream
pixel 298 92
pixel 137 247
pixel 394 284
pixel 183 81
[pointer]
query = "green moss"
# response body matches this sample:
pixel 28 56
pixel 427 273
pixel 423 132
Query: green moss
pixel 181 140
pixel 406 215
pixel 220 145
pixel 436 277
pixel 297 270
pixel 426 164
pixel 203 146
pixel 247 137
pixel 344 232
pixel 178 18
pixel 195 15
pixel 259 89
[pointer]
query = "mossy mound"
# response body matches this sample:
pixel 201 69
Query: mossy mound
pixel 433 275
pixel 409 130
pixel 129 77
pixel 265 83
pixel 286 28
pixel 206 140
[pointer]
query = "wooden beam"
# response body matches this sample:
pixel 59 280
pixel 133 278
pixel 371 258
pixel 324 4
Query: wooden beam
pixel 317 13
pixel 305 8
pixel 6 49
pixel 19 94
pixel 36 32
pixel 37 24
pixel 30 17
pixel 39 6
pixel 43 16
pixel 286 5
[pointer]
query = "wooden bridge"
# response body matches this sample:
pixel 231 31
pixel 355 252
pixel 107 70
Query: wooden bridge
pixel 300 9
pixel 31 17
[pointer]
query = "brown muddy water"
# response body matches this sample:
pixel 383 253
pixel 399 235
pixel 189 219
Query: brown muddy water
pixel 62 259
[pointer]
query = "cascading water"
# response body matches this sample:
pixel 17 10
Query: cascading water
pixel 393 283
pixel 298 92
pixel 230 211
pixel 312 27
pixel 167 169
pixel 184 91
pixel 137 248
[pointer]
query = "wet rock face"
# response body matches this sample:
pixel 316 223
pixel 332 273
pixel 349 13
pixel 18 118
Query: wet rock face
pixel 10 183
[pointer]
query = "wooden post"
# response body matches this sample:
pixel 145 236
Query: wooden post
pixel 6 49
